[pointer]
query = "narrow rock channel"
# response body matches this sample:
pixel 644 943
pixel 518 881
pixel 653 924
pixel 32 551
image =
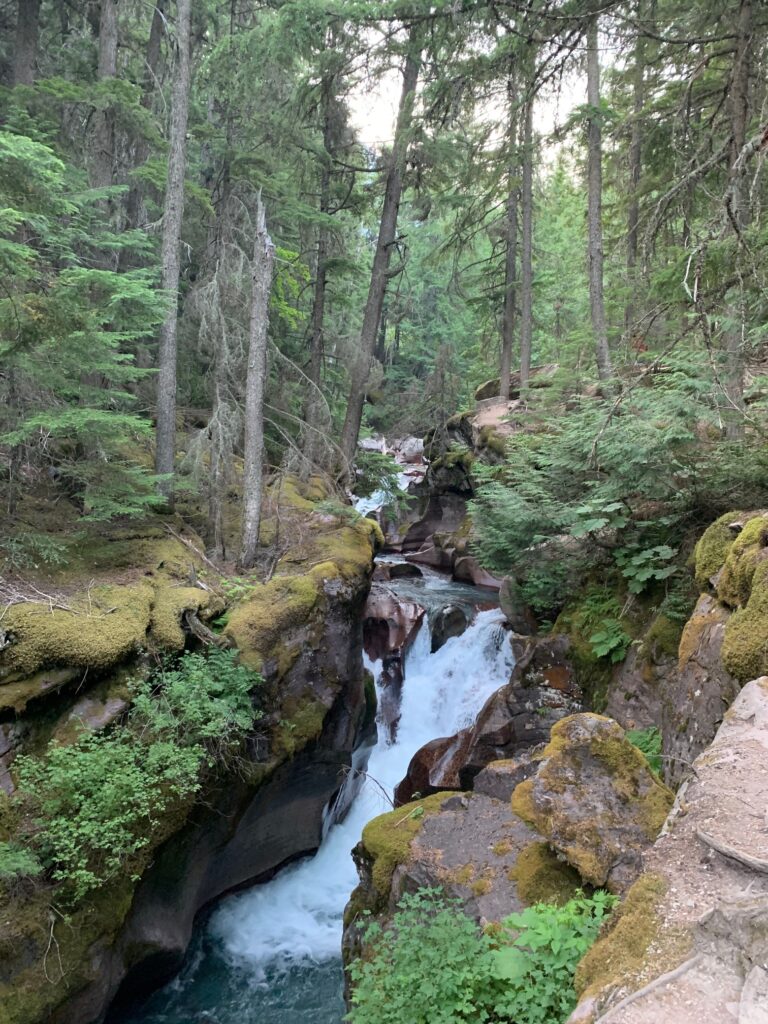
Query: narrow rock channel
pixel 271 955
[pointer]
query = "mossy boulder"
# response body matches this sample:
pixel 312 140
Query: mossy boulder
pixel 745 645
pixel 595 800
pixel 542 877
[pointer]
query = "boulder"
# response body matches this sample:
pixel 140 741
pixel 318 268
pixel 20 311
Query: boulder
pixel 467 569
pixel 390 624
pixel 469 846
pixel 447 622
pixel 409 450
pixel 511 601
pixel 384 572
pixel 595 800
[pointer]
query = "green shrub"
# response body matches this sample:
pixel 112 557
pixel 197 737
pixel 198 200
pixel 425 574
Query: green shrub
pixel 434 965
pixel 98 802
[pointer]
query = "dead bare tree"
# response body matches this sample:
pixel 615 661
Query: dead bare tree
pixel 255 385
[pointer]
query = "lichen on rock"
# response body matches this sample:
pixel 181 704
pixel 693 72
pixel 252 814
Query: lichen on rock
pixel 595 800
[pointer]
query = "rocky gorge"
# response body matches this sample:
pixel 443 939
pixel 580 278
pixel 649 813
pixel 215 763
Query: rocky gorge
pixel 511 775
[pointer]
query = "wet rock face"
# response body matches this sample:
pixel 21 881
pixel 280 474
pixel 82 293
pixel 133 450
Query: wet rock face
pixel 595 800
pixel 448 622
pixel 390 625
pixel 541 691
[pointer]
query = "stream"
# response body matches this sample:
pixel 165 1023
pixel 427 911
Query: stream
pixel 271 955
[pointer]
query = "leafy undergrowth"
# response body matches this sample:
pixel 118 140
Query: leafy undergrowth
pixel 434 965
pixel 648 741
pixel 89 811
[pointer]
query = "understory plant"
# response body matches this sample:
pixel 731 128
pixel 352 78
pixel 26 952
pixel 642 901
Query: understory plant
pixel 434 965
pixel 95 804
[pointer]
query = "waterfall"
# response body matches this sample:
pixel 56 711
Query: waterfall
pixel 279 943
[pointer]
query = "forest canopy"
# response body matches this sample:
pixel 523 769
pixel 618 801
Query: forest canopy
pixel 209 270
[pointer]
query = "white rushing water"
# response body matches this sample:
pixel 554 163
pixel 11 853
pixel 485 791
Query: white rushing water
pixel 297 918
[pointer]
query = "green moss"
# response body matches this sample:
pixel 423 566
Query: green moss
pixel 662 637
pixel 47 974
pixel 619 955
pixel 746 553
pixel 712 549
pixel 626 765
pixel 387 839
pixel 541 877
pixel 105 625
pixel 491 439
pixel 257 625
pixel 745 645
pixel 169 605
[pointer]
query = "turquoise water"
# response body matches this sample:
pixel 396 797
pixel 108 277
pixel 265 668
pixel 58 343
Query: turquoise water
pixel 211 990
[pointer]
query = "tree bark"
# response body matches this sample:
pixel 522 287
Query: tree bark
pixel 103 121
pixel 25 53
pixel 526 270
pixel 594 208
pixel 255 385
pixel 739 216
pixel 312 403
pixel 510 261
pixel 134 203
pixel 380 272
pixel 635 171
pixel 173 211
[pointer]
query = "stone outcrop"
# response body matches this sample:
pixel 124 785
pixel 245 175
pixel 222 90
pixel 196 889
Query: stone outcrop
pixel 541 691
pixel 690 942
pixel 685 688
pixel 303 631
pixel 447 623
pixel 390 625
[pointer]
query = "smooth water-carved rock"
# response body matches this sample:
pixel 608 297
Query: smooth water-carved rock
pixel 541 691
pixel 390 623
pixel 595 800
pixel 448 622
pixel 467 569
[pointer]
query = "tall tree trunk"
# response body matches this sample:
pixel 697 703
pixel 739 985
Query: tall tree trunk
pixel 594 209
pixel 635 170
pixel 313 400
pixel 380 272
pixel 25 52
pixel 103 121
pixel 255 385
pixel 739 217
pixel 526 270
pixel 173 211
pixel 510 261
pixel 134 202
